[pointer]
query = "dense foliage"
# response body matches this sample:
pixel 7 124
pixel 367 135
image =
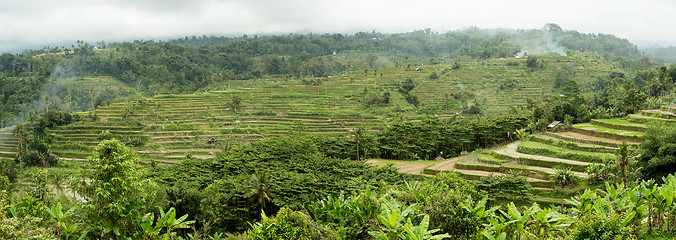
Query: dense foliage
pixel 656 157
pixel 317 187
pixel 432 137
pixel 33 148
pixel 232 189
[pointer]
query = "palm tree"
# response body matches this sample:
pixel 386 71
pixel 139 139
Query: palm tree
pixel 58 180
pixel 661 83
pixel 407 62
pixel 260 188
pixel 622 161
pixel 358 135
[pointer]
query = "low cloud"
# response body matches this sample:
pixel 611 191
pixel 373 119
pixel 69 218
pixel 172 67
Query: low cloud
pixel 34 23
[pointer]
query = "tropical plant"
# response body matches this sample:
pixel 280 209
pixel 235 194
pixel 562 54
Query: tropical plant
pixel 397 223
pixel 261 189
pixel 622 156
pixel 288 225
pixel 114 190
pixel 164 226
pixel 521 133
pixel 392 216
pixel 64 223
pixel 563 177
pixel 533 223
pixel 349 216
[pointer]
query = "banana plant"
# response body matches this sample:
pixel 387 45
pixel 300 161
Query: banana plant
pixel 583 203
pixel 478 209
pixel 495 230
pixel 421 231
pixel 392 216
pixel 421 191
pixel 167 221
pixel 64 229
pixel 532 223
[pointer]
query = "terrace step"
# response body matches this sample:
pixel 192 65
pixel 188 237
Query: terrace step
pixel 596 131
pixel 541 161
pixel 639 118
pixel 666 108
pixel 545 149
pixel 658 113
pixel 477 174
pixel 543 138
pixel 587 139
pixel 535 172
pixel 618 123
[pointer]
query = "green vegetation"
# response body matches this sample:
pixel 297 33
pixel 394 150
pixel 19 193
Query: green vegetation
pixel 560 152
pixel 656 155
pixel 267 138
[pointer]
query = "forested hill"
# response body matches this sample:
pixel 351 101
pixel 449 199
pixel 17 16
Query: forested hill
pixel 38 78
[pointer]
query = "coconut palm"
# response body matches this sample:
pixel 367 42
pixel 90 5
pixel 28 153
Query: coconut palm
pixel 622 161
pixel 261 189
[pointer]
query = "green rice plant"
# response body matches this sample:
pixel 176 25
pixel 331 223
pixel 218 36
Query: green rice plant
pixel 179 127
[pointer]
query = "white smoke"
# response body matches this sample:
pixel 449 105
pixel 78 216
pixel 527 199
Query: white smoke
pixel 542 42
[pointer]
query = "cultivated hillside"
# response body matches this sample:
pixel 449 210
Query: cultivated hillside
pixel 170 128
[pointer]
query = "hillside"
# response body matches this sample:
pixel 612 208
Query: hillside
pixel 182 66
pixel 169 128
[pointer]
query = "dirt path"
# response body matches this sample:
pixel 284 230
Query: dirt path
pixel 447 165
pixel 410 167
pixel 73 159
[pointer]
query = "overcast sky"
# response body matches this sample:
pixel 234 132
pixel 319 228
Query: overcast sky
pixel 36 23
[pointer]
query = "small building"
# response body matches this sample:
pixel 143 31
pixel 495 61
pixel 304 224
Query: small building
pixel 555 124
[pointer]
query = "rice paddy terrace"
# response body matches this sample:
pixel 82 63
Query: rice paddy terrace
pixel 170 128
pixel 173 128
pixel 539 155
pixel 8 144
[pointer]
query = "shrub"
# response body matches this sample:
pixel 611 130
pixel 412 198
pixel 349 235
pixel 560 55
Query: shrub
pixel 508 188
pixel 289 224
pixel 508 83
pixel 563 177
pixel 349 216
pixel 598 173
pixel 8 169
pixel 446 213
pixel 104 135
pixel 24 228
pixel 656 155
pixel 599 226
pixel 412 99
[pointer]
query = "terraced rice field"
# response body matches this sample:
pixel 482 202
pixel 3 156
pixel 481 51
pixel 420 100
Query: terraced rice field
pixel 171 128
pixel 174 128
pixel 8 144
pixel 537 157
